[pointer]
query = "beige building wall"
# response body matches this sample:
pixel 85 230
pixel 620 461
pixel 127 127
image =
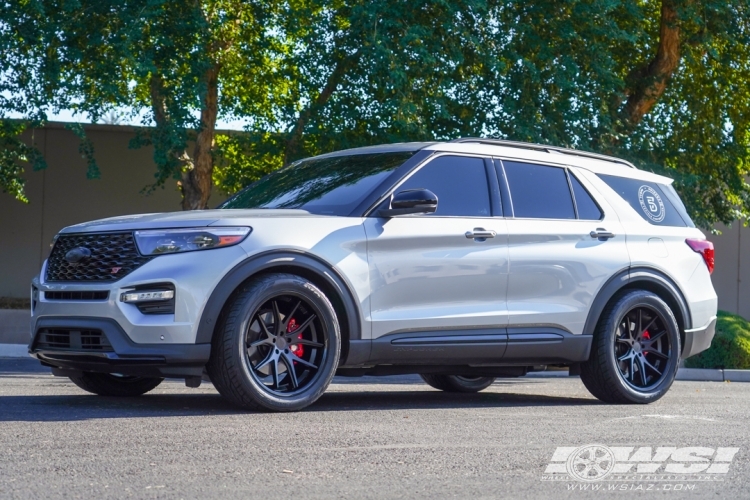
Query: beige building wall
pixel 61 195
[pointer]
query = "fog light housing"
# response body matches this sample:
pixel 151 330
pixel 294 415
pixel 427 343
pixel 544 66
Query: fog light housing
pixel 147 296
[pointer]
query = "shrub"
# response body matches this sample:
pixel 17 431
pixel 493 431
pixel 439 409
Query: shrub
pixel 730 347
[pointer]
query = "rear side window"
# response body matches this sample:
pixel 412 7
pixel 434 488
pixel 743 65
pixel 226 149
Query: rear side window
pixel 460 183
pixel 587 207
pixel 653 201
pixel 539 191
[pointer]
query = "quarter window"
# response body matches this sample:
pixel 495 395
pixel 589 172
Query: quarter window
pixel 539 191
pixel 587 207
pixel 460 183
pixel 651 200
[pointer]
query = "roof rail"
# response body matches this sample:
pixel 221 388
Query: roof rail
pixel 544 147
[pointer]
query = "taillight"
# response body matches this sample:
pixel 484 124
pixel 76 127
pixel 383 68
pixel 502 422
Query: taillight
pixel 705 248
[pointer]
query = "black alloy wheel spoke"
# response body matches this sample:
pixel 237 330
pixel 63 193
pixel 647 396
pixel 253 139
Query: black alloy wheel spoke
pixel 656 337
pixel 642 371
pixel 625 356
pixel 642 361
pixel 275 372
pixel 277 318
pixel 290 316
pixel 657 353
pixel 640 335
pixel 640 321
pixel 290 371
pixel 270 357
pixel 275 356
pixel 301 361
pixel 269 336
pixel 648 364
pixel 302 327
pixel 305 342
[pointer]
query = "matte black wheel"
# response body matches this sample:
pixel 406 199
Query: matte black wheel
pixel 636 350
pixel 457 383
pixel 277 345
pixel 105 384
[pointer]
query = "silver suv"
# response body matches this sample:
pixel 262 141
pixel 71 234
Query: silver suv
pixel 461 262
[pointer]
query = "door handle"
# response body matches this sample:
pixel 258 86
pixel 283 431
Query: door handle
pixel 480 234
pixel 601 234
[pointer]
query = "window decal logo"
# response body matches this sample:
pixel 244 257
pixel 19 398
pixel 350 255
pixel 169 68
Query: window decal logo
pixel 651 203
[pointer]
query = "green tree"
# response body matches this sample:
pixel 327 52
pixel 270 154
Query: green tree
pixel 660 82
pixel 183 63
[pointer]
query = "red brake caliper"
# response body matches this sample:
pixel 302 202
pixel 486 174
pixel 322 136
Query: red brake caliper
pixel 297 349
pixel 646 336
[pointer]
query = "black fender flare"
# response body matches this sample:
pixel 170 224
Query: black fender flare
pixel 285 261
pixel 649 279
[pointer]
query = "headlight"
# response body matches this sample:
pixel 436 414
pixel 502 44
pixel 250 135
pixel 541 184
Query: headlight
pixel 163 241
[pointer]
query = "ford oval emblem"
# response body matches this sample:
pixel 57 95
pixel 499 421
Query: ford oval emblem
pixel 77 255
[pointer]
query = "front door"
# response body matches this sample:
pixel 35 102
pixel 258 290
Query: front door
pixel 445 271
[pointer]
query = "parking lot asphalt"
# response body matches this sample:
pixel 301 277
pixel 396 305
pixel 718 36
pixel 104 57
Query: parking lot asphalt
pixel 389 437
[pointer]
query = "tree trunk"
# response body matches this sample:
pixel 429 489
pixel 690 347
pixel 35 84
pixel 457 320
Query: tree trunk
pixel 197 181
pixel 292 146
pixel 648 84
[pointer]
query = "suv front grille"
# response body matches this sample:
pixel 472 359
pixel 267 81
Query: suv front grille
pixel 72 340
pixel 113 256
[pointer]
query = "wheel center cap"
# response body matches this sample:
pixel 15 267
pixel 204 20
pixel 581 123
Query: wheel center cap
pixel 637 347
pixel 280 342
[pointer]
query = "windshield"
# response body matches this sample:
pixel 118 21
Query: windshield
pixel 325 186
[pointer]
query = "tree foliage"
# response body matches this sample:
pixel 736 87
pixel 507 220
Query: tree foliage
pixel 660 82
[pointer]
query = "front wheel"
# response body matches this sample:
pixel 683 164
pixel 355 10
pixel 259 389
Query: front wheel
pixel 105 384
pixel 277 345
pixel 457 383
pixel 636 350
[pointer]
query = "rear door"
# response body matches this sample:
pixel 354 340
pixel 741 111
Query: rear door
pixel 563 246
pixel 428 273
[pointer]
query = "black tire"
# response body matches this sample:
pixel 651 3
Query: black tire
pixel 628 363
pixel 105 384
pixel 457 383
pixel 247 366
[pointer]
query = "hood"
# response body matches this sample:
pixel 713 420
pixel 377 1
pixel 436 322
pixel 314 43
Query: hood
pixel 194 218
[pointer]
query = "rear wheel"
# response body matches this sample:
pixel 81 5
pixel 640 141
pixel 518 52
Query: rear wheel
pixel 457 383
pixel 277 346
pixel 636 350
pixel 106 384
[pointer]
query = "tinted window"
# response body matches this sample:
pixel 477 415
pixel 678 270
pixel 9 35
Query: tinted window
pixel 539 191
pixel 587 207
pixel 648 199
pixel 459 182
pixel 326 186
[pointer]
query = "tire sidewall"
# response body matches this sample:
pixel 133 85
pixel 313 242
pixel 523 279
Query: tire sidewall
pixel 627 303
pixel 296 286
pixel 479 384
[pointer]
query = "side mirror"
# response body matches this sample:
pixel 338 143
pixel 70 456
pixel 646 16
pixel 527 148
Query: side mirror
pixel 411 201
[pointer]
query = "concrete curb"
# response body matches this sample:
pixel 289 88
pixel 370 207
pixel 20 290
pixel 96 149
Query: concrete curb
pixel 686 374
pixel 14 351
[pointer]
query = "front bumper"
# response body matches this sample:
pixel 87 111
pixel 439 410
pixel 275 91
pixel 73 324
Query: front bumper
pixel 698 339
pixel 121 356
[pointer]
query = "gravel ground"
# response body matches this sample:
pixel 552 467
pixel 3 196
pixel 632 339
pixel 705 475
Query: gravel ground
pixel 366 438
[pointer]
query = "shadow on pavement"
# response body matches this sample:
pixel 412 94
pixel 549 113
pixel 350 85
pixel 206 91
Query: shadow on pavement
pixel 53 408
